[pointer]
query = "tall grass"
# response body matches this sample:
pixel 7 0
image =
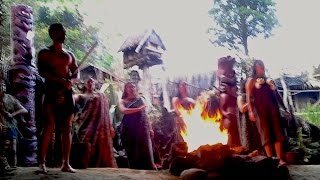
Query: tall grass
pixel 311 113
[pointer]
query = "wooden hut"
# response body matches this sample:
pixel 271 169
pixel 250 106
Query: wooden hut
pixel 303 91
pixel 142 50
pixel 98 73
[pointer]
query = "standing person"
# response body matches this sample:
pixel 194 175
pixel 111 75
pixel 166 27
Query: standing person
pixel 249 135
pixel 95 127
pixel 136 130
pixel 10 108
pixel 263 108
pixel 181 100
pixel 58 67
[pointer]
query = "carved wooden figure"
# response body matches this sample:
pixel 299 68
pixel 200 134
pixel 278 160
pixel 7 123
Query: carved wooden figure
pixel 228 98
pixel 22 76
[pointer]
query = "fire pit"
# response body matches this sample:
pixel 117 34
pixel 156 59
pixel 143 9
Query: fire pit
pixel 205 149
pixel 222 162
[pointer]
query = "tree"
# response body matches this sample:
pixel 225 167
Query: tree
pixel 316 70
pixel 2 9
pixel 79 39
pixel 4 31
pixel 238 20
pixel 1 12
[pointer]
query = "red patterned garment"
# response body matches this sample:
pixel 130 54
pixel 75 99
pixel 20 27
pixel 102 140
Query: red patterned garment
pixel 95 128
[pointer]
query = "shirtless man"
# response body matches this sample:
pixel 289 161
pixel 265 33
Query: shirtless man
pixel 58 67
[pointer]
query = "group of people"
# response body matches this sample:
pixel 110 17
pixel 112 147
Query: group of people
pixel 93 125
pixel 258 103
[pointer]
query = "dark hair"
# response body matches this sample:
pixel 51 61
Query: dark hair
pixel 125 94
pixel 255 63
pixel 55 27
pixel 84 88
pixel 179 95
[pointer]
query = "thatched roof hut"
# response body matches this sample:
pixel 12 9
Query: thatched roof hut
pixel 298 83
pixel 97 73
pixel 302 90
pixel 142 50
pixel 316 76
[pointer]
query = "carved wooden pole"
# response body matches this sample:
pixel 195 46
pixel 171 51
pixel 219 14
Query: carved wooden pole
pixel 228 99
pixel 22 78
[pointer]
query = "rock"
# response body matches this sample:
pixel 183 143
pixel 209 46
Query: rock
pixel 180 164
pixel 193 174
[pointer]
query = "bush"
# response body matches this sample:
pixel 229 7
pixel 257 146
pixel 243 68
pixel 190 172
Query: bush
pixel 311 113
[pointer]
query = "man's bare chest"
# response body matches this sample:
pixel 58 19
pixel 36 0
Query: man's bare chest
pixel 59 60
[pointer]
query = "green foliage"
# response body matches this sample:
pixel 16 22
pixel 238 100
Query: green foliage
pixel 243 68
pixel 80 37
pixel 238 20
pixel 4 31
pixel 306 146
pixel 155 115
pixel 311 113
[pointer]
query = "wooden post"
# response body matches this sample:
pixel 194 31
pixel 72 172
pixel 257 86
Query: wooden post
pixel 287 98
pixel 146 84
pixel 285 92
pixel 166 99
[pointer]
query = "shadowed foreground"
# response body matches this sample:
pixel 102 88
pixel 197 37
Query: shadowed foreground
pixel 297 172
pixel 30 173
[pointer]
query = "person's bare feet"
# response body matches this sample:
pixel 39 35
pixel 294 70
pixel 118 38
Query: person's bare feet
pixel 43 168
pixel 282 163
pixel 254 153
pixel 68 168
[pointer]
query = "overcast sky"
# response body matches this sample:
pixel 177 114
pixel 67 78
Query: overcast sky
pixel 182 25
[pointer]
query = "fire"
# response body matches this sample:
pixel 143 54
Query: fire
pixel 200 128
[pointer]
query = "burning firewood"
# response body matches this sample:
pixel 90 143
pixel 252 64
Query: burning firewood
pixel 211 157
pixel 220 161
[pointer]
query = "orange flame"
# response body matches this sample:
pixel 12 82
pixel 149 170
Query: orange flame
pixel 200 128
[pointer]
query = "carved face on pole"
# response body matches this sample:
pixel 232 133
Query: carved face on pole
pixel 225 67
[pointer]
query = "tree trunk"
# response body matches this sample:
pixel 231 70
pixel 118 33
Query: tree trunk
pixel 245 45
pixel 244 33
pixel 288 103
pixel 166 99
pixel 287 98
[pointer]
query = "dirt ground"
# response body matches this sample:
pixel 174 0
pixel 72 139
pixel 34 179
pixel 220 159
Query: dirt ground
pixel 304 172
pixel 30 173
pixel 297 172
